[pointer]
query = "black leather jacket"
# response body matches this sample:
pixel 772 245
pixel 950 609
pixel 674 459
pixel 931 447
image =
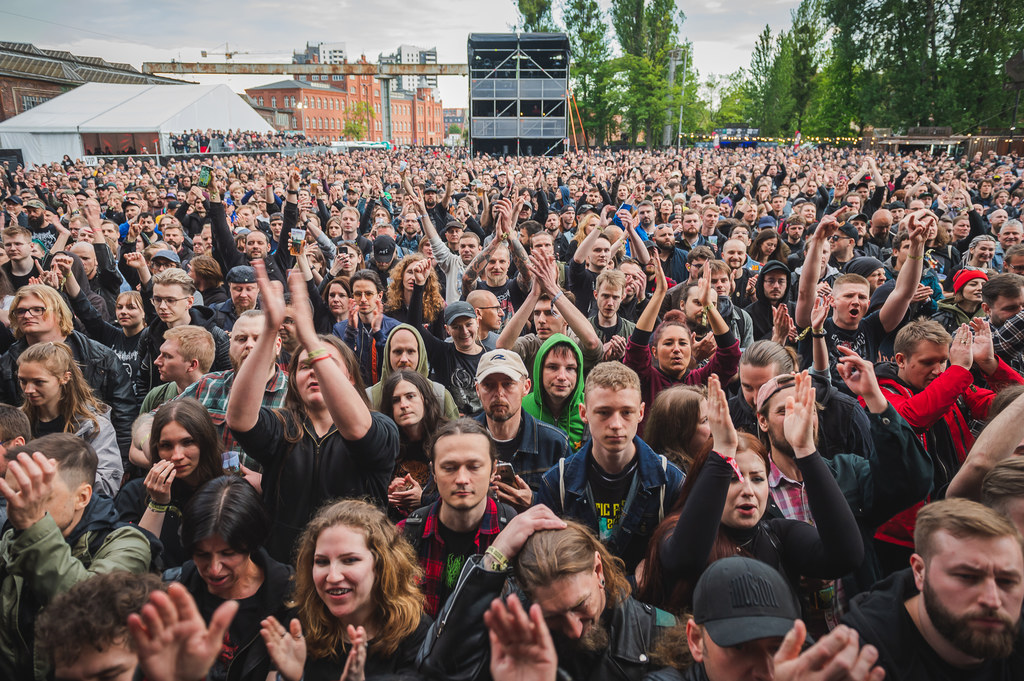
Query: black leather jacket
pixel 457 647
pixel 103 372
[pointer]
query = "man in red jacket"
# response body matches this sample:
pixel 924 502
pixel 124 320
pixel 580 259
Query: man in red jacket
pixel 939 404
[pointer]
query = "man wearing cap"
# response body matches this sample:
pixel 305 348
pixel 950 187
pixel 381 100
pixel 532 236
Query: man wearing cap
pixel 745 626
pixel 532 447
pixel 45 233
pixel 164 259
pixel 244 294
pixel 14 212
pixel 843 244
pixel 455 364
pixel 955 613
pixel 385 255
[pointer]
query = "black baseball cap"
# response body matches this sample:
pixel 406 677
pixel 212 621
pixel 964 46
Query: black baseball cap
pixel 849 230
pixel 383 249
pixel 740 599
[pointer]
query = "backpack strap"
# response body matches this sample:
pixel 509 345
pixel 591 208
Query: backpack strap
pixel 661 506
pixel 505 514
pixel 561 483
pixel 413 528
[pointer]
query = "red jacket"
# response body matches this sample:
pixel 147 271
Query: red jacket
pixel 945 398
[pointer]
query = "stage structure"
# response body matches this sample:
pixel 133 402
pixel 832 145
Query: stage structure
pixel 517 93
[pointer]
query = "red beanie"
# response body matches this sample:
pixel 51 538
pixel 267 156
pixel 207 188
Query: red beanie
pixel 961 278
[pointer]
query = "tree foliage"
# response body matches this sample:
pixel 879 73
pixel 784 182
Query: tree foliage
pixel 358 121
pixel 535 16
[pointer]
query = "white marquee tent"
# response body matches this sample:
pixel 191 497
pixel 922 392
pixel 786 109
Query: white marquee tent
pixel 98 117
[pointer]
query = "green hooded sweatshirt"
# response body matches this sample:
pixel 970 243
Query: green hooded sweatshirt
pixel 375 391
pixel 569 421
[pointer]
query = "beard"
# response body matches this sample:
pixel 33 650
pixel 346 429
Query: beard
pixel 595 640
pixel 781 444
pixel 957 630
pixel 37 222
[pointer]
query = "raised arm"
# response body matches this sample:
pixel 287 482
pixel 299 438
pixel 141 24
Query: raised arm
pixel 544 269
pixel 808 286
pixel 346 406
pixel 587 245
pixel 250 380
pixel 514 327
pixel 649 317
pixel 895 307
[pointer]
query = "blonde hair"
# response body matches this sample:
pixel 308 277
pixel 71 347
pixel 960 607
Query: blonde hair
pixel 612 376
pixel 175 276
pixel 77 401
pixel 961 518
pixel 396 595
pixel 51 301
pixel 194 342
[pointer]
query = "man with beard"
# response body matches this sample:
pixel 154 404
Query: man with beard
pixel 689 234
pixel 673 260
pixel 532 447
pixel 955 613
pixel 772 291
pixel 45 233
pixel 875 482
pixel 212 390
pixel 600 632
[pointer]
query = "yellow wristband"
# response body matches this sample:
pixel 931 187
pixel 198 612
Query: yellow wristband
pixel 500 562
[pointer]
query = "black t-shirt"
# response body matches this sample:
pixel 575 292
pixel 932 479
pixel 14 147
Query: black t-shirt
pixel 42 428
pixel 244 627
pixel 864 340
pixel 459 546
pixel 606 333
pixel 510 296
pixel 609 494
pixel 507 448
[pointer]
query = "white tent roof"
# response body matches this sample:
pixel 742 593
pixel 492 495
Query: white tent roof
pixel 104 107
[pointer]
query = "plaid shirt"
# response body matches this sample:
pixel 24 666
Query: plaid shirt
pixel 434 558
pixel 213 390
pixel 1008 341
pixel 790 496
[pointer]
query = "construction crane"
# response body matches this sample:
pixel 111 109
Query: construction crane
pixel 228 54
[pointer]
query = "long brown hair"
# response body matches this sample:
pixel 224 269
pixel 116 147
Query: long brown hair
pixel 672 422
pixel 293 403
pixel 394 297
pixel 396 595
pixel 77 401
pixel 652 587
pixel 191 415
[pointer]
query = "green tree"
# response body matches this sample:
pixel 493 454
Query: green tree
pixel 587 28
pixel 535 16
pixel 454 129
pixel 358 121
pixel 806 36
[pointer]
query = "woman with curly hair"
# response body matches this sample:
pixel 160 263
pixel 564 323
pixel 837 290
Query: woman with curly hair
pixel 415 284
pixel 357 598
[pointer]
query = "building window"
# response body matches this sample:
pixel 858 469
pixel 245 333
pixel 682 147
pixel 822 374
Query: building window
pixel 364 90
pixel 337 77
pixel 273 102
pixel 305 102
pixel 28 101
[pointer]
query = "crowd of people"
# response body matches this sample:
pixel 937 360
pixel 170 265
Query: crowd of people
pixel 207 141
pixel 701 414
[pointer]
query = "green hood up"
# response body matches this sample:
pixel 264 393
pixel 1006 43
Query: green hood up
pixel 569 421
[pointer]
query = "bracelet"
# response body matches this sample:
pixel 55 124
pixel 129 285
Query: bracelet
pixel 555 299
pixel 735 466
pixel 158 508
pixel 316 355
pixel 915 257
pixel 293 191
pixel 500 562
pixel 817 335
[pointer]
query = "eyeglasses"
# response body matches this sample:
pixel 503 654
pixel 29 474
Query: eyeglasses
pixel 23 312
pixel 492 307
pixel 160 300
pixel 1016 269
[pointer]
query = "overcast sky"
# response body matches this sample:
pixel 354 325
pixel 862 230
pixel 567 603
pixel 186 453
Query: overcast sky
pixel 135 31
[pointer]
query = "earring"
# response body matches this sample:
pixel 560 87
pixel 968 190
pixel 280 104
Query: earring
pixel 602 583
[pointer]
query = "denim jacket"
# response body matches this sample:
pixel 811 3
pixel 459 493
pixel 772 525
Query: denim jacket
pixel 656 492
pixel 540 449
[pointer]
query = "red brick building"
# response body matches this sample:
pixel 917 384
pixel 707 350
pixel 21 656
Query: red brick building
pixel 319 109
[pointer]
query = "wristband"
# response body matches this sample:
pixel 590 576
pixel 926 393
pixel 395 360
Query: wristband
pixel 315 355
pixel 500 562
pixel 915 257
pixel 735 466
pixel 555 299
pixel 158 508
